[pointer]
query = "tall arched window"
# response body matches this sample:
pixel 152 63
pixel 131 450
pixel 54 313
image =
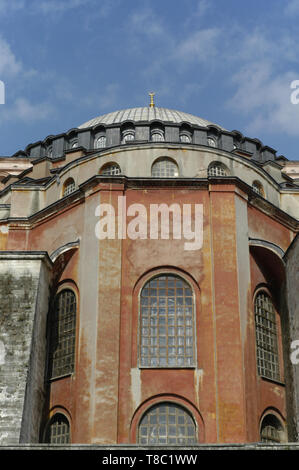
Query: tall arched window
pixel 167 423
pixel 111 169
pixel 63 334
pixel 266 337
pixel 217 169
pixel 271 429
pixel 69 187
pixel 58 430
pixel 167 337
pixel 165 168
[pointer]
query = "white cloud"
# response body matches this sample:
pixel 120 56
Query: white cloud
pixel 200 46
pixel 292 8
pixel 11 6
pixel 9 65
pixel 264 96
pixel 22 109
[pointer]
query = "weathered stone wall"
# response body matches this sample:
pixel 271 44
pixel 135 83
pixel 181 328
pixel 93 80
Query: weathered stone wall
pixel 24 281
pixel 292 298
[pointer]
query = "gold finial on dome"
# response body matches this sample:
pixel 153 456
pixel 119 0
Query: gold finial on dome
pixel 152 94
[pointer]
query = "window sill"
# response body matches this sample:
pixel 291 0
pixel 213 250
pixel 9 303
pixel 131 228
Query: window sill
pixel 274 381
pixel 59 377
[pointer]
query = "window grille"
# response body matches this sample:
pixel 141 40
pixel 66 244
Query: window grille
pixel 216 169
pixel 271 430
pixel 69 187
pixel 110 170
pixel 167 323
pixel 63 334
pixel 266 337
pixel 167 423
pixel 58 431
pixel 185 138
pixel 165 168
pixel 211 142
pixel 128 136
pixel 101 142
pixel 157 136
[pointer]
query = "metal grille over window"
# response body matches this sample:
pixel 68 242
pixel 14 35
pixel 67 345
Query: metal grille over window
pixel 129 136
pixel 157 136
pixel 216 169
pixel 58 431
pixel 110 170
pixel 185 138
pixel 167 423
pixel 101 142
pixel 271 430
pixel 63 334
pixel 167 323
pixel 165 168
pixel 69 187
pixel 266 337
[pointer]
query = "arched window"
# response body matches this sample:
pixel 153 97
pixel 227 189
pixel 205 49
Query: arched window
pixel 258 188
pixel 50 151
pixel 271 429
pixel 185 138
pixel 111 169
pixel 128 136
pixel 165 168
pixel 167 423
pixel 63 334
pixel 266 337
pixel 217 169
pixel 101 142
pixel 74 144
pixel 211 142
pixel 157 135
pixel 69 187
pixel 58 430
pixel 167 336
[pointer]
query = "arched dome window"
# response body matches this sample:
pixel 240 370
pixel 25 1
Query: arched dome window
pixel 258 188
pixel 211 142
pixel 128 136
pixel 217 169
pixel 101 142
pixel 157 135
pixel 110 169
pixel 58 430
pixel 272 430
pixel 167 335
pixel 185 138
pixel 74 144
pixel 165 168
pixel 50 151
pixel 68 187
pixel 167 423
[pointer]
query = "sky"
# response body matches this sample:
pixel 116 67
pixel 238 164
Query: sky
pixel 231 62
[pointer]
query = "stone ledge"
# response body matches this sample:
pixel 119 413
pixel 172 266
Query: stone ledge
pixel 133 447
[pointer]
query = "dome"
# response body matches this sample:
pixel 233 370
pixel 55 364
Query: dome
pixel 147 114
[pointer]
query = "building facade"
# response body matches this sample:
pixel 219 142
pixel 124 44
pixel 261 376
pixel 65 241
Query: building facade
pixel 149 286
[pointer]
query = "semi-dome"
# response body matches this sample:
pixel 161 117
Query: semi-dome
pixel 147 113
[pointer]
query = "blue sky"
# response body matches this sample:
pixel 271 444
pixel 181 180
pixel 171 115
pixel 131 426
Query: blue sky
pixel 64 62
